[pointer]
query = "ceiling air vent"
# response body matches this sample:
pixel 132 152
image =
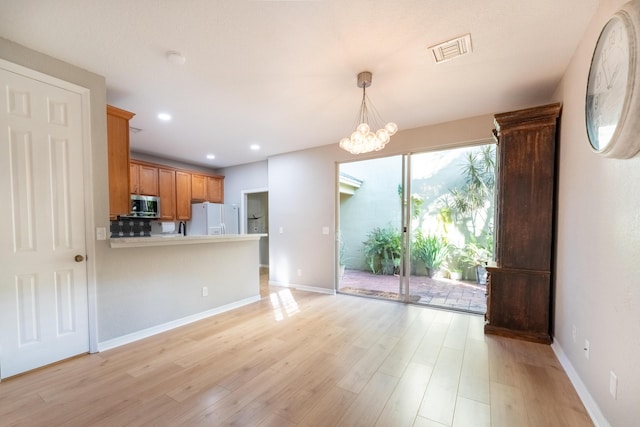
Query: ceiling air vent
pixel 452 48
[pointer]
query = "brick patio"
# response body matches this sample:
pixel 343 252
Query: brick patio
pixel 447 293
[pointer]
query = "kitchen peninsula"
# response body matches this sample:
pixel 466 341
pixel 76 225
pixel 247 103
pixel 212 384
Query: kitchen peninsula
pixel 169 279
pixel 179 239
pixel 173 281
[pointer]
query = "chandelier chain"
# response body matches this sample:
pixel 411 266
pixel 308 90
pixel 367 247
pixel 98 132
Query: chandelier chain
pixel 366 138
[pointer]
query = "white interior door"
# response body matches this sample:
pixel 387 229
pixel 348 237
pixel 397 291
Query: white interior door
pixel 43 286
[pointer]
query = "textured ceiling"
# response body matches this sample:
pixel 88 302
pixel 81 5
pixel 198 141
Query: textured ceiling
pixel 282 74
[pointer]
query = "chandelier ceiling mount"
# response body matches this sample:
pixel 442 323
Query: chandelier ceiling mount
pixel 365 138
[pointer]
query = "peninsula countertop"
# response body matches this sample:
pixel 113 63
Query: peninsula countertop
pixel 179 239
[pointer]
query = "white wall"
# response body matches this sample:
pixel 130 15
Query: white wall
pixel 598 249
pixel 240 178
pixel 247 177
pixel 302 199
pixel 141 288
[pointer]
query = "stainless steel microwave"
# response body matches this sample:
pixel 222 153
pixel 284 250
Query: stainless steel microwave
pixel 145 206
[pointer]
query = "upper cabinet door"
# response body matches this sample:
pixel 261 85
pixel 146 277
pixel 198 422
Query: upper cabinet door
pixel 144 179
pixel 148 180
pixel 167 193
pixel 183 196
pixel 207 188
pixel 215 189
pixel 198 191
pixel 134 178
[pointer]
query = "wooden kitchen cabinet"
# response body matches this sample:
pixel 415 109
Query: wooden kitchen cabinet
pixel 118 159
pixel 207 188
pixel 183 196
pixel 198 188
pixel 215 189
pixel 143 179
pixel 167 193
pixel 519 288
pixel 177 188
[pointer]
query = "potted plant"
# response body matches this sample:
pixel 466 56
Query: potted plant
pixel 382 250
pixel 431 249
pixel 477 257
pixel 455 262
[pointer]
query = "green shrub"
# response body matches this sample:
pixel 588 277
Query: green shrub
pixel 431 249
pixel 382 250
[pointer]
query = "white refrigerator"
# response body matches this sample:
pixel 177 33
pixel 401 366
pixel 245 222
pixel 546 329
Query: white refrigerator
pixel 213 218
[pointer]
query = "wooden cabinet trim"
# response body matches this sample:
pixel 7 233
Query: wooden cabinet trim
pixel 119 112
pixel 176 169
pixel 546 115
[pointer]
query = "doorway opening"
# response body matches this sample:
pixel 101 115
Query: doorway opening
pixel 418 228
pixel 254 214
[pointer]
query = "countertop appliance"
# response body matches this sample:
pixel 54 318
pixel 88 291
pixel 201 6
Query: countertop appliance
pixel 213 218
pixel 145 206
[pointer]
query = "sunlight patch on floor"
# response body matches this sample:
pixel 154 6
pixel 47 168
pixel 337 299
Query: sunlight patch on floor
pixel 284 304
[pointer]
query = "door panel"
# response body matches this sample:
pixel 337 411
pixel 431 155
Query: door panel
pixel 43 289
pixel 431 213
pixel 370 223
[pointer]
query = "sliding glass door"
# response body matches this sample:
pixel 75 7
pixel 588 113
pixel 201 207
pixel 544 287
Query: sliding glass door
pixel 370 238
pixel 452 199
pixel 418 228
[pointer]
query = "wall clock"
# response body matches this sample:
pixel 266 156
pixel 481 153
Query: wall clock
pixel 612 109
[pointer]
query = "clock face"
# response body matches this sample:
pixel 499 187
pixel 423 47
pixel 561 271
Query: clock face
pixel 608 84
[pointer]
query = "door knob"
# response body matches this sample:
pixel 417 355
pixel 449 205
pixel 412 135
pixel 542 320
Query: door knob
pixel 79 258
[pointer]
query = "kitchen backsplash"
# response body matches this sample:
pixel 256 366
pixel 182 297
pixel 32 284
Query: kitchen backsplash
pixel 130 227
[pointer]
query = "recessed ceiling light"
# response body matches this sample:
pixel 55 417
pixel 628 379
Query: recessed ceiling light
pixel 254 147
pixel 210 156
pixel 164 117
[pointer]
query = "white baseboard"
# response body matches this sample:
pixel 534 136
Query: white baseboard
pixel 145 333
pixel 587 400
pixel 304 288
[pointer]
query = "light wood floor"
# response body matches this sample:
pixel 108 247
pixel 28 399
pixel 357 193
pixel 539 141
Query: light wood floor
pixel 304 359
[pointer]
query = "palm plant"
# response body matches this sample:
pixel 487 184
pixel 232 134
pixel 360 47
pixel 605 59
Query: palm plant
pixel 469 201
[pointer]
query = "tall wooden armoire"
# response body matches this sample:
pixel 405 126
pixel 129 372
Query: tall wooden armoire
pixel 519 289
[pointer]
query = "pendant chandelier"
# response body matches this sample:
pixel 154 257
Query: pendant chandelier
pixel 369 134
